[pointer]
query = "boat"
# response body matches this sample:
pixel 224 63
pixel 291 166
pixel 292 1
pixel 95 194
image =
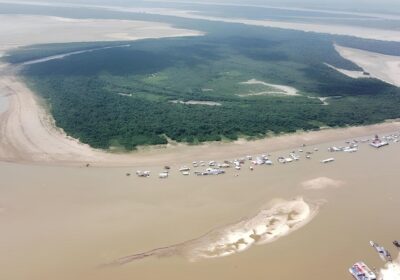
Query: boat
pixel 328 160
pixel 396 243
pixel 361 271
pixel 378 143
pixel 184 169
pixel 281 160
pixel 186 173
pixel 383 253
pixel 214 171
pixel 350 149
pixel 143 174
pixel 289 159
pixel 268 162
pixel 163 175
pixel 294 156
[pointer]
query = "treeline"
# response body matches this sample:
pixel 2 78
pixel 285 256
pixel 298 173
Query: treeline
pixel 88 112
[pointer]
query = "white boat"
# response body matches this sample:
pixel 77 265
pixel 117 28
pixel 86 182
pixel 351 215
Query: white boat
pixel 281 160
pixel 184 169
pixel 328 160
pixel 350 149
pixel 186 173
pixel 378 143
pixel 163 175
pixel 288 160
pixel 383 253
pixel 143 174
pixel 268 162
pixel 361 271
pixel 294 156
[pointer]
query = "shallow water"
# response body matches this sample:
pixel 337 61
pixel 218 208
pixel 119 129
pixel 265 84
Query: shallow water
pixel 64 223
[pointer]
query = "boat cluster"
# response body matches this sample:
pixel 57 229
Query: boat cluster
pixel 361 271
pixel 206 168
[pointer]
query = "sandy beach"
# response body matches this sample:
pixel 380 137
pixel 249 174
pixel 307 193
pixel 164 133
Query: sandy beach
pixel 334 29
pixel 380 66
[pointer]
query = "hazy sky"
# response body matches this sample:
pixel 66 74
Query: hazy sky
pixel 391 6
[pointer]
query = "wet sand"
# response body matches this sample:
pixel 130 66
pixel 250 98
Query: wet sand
pixel 66 222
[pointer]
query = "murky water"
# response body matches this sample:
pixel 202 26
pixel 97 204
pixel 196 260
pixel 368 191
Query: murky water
pixel 65 223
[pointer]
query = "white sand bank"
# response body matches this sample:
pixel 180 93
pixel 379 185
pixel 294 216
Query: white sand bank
pixel 380 66
pixel 276 89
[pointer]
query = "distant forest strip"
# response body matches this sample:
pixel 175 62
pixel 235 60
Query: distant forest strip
pixel 123 97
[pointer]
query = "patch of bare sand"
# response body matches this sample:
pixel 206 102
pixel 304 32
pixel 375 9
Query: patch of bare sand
pixel 16 30
pixel 379 66
pixel 321 183
pixel 334 29
pixel 350 73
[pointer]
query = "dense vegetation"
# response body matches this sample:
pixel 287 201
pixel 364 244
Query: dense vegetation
pixel 122 96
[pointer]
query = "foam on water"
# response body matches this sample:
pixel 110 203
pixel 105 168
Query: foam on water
pixel 391 271
pixel 321 183
pixel 280 219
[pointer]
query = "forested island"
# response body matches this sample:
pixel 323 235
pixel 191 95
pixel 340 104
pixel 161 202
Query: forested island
pixel 236 81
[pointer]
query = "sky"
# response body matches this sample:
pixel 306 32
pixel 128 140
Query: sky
pixel 389 6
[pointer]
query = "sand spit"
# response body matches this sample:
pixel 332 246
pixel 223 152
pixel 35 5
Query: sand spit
pixel 15 29
pixel 276 89
pixel 321 183
pixel 280 219
pixel 379 66
pixel 61 56
pixel 391 271
pixel 350 73
pixel 194 102
pixel 334 29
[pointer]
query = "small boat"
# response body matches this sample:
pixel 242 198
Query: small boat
pixel 186 173
pixel 361 271
pixel 251 168
pixel 383 253
pixel 328 160
pixel 281 160
pixel 268 162
pixel 184 168
pixel 163 175
pixel 143 174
